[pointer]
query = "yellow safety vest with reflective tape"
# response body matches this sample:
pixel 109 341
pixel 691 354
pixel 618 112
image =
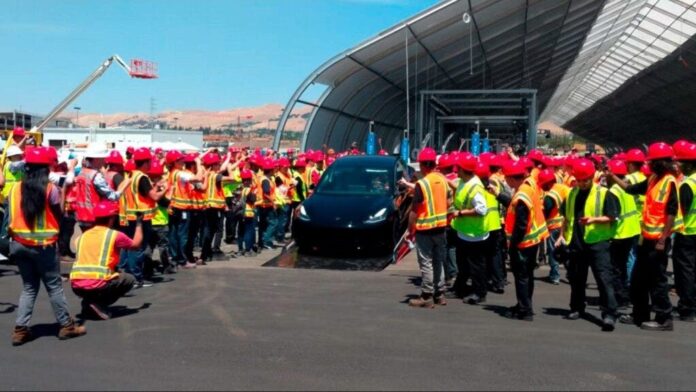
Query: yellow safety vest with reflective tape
pixel 689 227
pixel 96 251
pixel 11 178
pixel 655 209
pixel 628 223
pixel 559 193
pixel 594 207
pixel 491 221
pixel 472 225
pixel 635 178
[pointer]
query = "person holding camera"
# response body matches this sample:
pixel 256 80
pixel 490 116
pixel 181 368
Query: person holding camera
pixel 93 276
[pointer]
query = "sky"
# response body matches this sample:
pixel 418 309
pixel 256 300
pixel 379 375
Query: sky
pixel 211 54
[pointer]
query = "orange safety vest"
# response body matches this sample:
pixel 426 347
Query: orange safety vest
pixel 262 200
pixel 44 230
pixel 132 202
pixel 216 196
pixel 558 193
pixel 536 227
pixel 96 255
pixel 655 208
pixel 287 180
pixel 248 207
pixel 432 212
pixel 179 193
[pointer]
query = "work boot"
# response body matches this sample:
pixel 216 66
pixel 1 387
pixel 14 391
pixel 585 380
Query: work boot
pixel 440 300
pixel 71 330
pixel 100 311
pixel 21 335
pixel 422 302
pixel 627 319
pixel 190 265
pixel 666 325
pixel 688 317
pixel 474 299
pixel 574 315
pixel 608 323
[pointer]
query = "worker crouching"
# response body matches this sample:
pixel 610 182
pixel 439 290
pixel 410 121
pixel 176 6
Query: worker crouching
pixel 93 276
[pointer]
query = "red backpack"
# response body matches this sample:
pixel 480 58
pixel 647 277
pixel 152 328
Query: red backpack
pixel 82 196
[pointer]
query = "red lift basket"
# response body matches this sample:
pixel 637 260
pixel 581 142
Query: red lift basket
pixel 143 69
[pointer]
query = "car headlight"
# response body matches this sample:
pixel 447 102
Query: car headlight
pixel 303 214
pixel 378 216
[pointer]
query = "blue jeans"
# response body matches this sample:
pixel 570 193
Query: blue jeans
pixel 178 236
pixel 36 265
pixel 281 222
pixel 267 225
pixel 246 240
pixel 631 262
pixel 554 275
pixel 135 259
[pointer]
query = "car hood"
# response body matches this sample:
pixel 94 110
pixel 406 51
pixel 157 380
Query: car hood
pixel 345 211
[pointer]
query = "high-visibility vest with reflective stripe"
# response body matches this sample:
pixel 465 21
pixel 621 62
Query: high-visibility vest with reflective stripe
pixel 161 217
pixel 536 227
pixel 262 200
pixel 249 211
pixel 228 187
pixel 594 207
pixel 432 212
pixel 558 194
pixel 655 209
pixel 473 225
pixel 216 197
pixel 96 252
pixel 44 231
pixel 635 178
pixel 179 197
pixel 491 221
pixel 197 196
pixel 628 224
pixel 283 198
pixel 11 178
pixel 295 195
pixel 132 202
pixel 690 214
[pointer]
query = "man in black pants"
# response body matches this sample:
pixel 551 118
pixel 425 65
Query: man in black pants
pixel 590 212
pixel 684 255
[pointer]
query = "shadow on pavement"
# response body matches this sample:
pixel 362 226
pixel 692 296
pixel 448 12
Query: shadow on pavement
pixel 117 311
pixel 501 311
pixel 9 309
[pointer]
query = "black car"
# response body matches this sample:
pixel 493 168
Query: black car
pixel 357 208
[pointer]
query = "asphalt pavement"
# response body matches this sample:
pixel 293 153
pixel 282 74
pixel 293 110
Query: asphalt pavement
pixel 236 325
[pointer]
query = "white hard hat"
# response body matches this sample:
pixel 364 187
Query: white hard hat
pixel 97 150
pixel 14 150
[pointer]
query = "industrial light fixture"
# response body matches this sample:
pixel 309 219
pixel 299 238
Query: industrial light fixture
pixel 466 18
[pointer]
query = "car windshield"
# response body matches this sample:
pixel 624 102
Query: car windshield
pixel 356 179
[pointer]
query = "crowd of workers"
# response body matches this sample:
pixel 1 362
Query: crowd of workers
pixel 620 216
pixel 126 208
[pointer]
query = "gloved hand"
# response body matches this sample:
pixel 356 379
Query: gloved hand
pixel 139 218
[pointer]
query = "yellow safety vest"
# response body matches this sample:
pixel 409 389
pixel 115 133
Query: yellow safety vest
pixel 635 178
pixel 161 217
pixel 690 214
pixel 491 221
pixel 473 225
pixel 594 207
pixel 95 253
pixel 432 212
pixel 10 179
pixel 628 224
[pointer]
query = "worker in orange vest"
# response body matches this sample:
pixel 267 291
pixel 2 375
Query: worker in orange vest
pixel 285 190
pixel 93 276
pixel 661 217
pixel 554 195
pixel 265 198
pixel 34 210
pixel 427 223
pixel 140 197
pixel 245 240
pixel 196 196
pixel 215 200
pixel 179 182
pixel 525 228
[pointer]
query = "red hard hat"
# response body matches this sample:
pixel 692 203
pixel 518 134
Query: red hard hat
pixel 467 163
pixel 546 176
pixel 486 157
pixel 158 150
pixel 427 155
pixel 496 161
pixel 660 150
pixel 284 162
pixel 37 156
pixel 318 156
pixel 382 152
pixel 569 161
pixel 514 168
pixel 105 209
pixel 19 131
pixel 645 169
pixel 114 158
pixel 620 156
pixel 680 145
pixel 211 159
pixel 444 161
pixel 482 170
pixel 330 161
pixel 550 161
pixel 190 157
pixel 617 167
pixel 536 155
pixel 156 168
pixel 527 162
pixel 52 154
pixel 635 155
pixel 583 169
pixel 300 162
pixel 130 149
pixel 687 153
pixel 246 174
pixel 173 156
pixel 129 166
pixel 142 154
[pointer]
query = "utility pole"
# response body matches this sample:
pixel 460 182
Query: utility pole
pixel 77 115
pixel 153 108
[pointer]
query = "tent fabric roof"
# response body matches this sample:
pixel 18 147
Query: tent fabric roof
pixel 577 54
pixel 506 44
